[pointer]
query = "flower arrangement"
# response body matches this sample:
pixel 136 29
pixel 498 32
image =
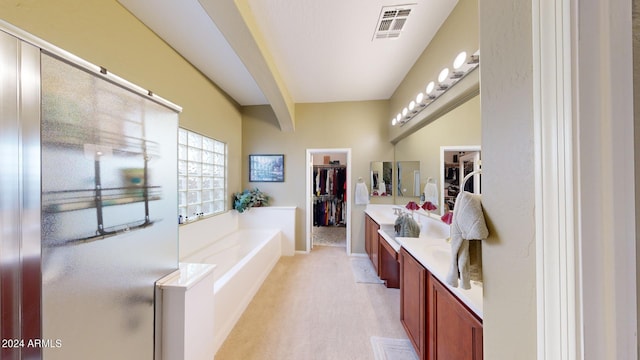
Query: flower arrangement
pixel 249 198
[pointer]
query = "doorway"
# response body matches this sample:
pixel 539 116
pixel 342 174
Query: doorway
pixel 328 184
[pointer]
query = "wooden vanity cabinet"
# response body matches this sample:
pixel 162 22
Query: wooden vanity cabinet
pixel 413 301
pixel 371 243
pixel 438 324
pixel 388 262
pixel 454 330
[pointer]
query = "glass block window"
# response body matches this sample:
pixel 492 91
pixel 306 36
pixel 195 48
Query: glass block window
pixel 202 175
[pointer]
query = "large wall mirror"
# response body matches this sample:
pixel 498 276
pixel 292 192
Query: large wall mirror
pixel 381 178
pixel 455 163
pixel 408 179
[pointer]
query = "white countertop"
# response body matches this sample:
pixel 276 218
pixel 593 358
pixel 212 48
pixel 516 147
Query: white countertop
pixel 382 214
pixel 187 275
pixel 434 253
pixel 435 256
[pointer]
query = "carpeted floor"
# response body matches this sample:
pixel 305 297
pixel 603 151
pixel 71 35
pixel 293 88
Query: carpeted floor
pixel 329 236
pixel 310 307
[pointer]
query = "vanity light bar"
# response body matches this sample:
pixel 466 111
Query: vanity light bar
pixel 462 65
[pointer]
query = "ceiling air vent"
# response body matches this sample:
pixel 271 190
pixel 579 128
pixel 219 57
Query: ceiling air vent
pixel 391 21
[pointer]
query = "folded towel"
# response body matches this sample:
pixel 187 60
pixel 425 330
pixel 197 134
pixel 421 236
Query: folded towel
pixel 362 194
pixel 468 224
pixel 431 192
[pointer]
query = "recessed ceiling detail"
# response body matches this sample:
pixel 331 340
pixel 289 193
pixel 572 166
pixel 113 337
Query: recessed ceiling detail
pixel 391 21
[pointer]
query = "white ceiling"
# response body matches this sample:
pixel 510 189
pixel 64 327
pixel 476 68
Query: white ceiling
pixel 315 50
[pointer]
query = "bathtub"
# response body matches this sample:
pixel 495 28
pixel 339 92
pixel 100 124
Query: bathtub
pixel 243 260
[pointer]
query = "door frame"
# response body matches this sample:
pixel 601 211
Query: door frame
pixel 309 194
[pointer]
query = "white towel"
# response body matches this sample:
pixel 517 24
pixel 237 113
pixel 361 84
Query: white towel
pixel 468 224
pixel 382 188
pixel 431 192
pixel 362 194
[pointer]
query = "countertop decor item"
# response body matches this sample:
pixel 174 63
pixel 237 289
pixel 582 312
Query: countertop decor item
pixel 412 205
pixel 428 206
pixel 250 198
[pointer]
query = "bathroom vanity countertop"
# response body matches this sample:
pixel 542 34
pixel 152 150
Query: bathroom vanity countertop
pixel 382 214
pixel 435 256
pixel 390 238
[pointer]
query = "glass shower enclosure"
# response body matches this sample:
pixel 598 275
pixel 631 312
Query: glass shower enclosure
pixel 105 157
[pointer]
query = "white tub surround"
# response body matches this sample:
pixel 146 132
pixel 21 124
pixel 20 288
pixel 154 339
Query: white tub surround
pixel 278 217
pixel 244 259
pixel 187 313
pixel 245 248
pixel 197 235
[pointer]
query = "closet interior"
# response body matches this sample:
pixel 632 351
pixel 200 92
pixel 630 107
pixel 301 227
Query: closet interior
pixel 329 199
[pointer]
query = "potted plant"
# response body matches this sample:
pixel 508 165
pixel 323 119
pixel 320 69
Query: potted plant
pixel 249 198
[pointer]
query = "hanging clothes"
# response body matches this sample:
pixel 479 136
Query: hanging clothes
pixel 329 186
pixel 329 211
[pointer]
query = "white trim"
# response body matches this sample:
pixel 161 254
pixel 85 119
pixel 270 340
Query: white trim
pixel 79 62
pixel 557 278
pixel 309 195
pixel 584 175
pixel 605 128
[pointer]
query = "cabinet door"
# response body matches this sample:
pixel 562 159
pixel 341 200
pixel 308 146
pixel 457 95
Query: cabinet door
pixel 367 235
pixel 375 247
pixel 413 277
pixel 389 268
pixel 371 241
pixel 454 331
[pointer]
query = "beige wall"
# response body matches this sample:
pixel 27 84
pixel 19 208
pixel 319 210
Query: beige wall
pixel 509 255
pixel 106 34
pixel 458 33
pixel 359 126
pixel 461 126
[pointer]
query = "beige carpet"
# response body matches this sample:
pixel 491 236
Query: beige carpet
pixel 311 308
pixel 329 236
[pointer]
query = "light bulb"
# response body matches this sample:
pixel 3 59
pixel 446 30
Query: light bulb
pixel 430 87
pixel 443 75
pixel 412 105
pixel 460 59
pixel 419 98
pixel 405 111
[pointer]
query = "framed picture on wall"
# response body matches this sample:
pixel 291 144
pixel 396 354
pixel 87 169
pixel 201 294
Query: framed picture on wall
pixel 266 168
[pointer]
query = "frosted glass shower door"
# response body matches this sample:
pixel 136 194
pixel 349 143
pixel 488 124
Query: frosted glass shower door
pixel 109 213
